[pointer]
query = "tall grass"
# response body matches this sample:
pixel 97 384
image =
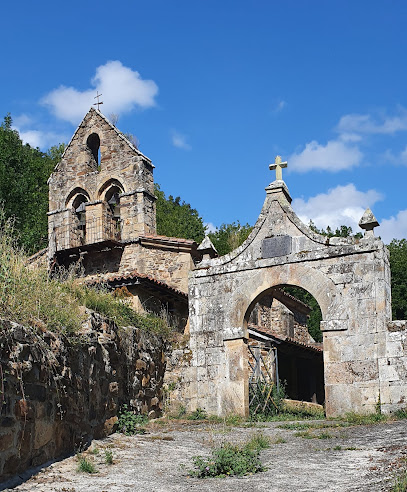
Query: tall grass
pixel 30 297
pixel 27 295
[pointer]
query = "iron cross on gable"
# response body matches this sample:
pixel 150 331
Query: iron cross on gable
pixel 97 97
pixel 278 166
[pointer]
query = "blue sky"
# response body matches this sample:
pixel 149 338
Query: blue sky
pixel 214 90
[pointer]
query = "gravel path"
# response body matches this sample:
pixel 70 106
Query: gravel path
pixel 354 458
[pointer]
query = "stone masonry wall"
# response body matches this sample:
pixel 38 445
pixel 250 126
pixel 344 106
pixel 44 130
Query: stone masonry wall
pixel 57 395
pixel 393 368
pixel 170 266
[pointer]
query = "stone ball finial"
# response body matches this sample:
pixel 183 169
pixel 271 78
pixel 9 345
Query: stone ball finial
pixel 368 222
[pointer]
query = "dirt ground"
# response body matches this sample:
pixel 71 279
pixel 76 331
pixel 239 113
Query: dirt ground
pixel 353 458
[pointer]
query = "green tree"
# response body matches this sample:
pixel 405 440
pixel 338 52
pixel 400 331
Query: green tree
pixel 24 172
pixel 230 236
pixel 315 316
pixel 341 231
pixel 398 266
pixel 175 218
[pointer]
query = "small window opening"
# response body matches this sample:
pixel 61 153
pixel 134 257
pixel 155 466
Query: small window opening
pixel 93 143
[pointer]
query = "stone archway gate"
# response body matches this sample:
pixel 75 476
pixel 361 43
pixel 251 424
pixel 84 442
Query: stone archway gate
pixel 349 278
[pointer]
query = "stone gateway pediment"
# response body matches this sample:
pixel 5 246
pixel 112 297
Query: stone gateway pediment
pixel 348 277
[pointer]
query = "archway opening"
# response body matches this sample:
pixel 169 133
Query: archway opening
pixel 285 352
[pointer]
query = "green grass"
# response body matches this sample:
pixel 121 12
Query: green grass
pixel 286 416
pixel 304 434
pixel 400 483
pixel 85 466
pixel 312 425
pixel 325 435
pixel 361 419
pixel 231 459
pixel 109 456
pixel 198 414
pixel 401 414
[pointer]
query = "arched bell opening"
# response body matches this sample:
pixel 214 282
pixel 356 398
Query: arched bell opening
pixel 79 213
pixel 112 198
pixel 284 358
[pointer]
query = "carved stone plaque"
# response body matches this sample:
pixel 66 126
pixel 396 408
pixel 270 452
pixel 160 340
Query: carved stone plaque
pixel 276 246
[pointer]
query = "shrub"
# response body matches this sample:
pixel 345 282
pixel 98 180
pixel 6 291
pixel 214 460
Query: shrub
pixel 130 423
pixel 231 459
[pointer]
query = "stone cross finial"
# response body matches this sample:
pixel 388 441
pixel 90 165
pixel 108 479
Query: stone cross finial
pixel 278 166
pixel 97 97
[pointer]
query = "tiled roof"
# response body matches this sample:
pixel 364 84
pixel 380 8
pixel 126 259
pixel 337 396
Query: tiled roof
pixel 168 239
pixel 289 296
pixel 134 275
pixel 288 340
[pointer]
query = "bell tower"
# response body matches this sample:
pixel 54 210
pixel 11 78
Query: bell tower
pixel 101 193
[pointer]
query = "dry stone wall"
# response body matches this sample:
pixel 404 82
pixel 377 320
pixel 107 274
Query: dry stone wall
pixel 57 394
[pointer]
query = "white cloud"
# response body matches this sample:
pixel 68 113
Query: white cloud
pixel 400 158
pixel 395 227
pixel 280 106
pixel 41 139
pixel 180 141
pixel 343 205
pixel 22 120
pixel 209 227
pixel 367 124
pixel 336 155
pixel 122 90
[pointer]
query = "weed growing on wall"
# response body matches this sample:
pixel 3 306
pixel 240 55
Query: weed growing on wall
pixel 231 459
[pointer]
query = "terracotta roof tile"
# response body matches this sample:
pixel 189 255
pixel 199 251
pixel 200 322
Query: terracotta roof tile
pixel 135 275
pixel 167 238
pixel 289 340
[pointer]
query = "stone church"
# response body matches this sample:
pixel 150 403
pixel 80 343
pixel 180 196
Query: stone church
pixel 102 218
pixel 234 309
